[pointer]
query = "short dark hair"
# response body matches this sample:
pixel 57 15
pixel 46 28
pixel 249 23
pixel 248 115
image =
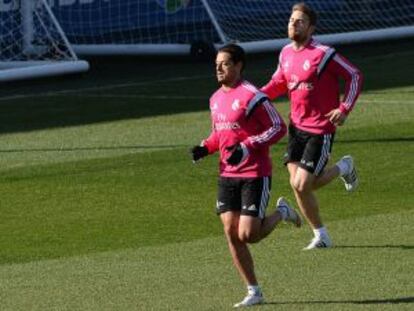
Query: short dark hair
pixel 306 9
pixel 236 52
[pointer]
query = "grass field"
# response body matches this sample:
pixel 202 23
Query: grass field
pixel 102 209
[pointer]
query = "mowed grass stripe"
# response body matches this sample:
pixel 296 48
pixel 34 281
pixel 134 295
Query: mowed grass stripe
pixel 380 112
pixel 108 139
pixel 368 270
pixel 160 197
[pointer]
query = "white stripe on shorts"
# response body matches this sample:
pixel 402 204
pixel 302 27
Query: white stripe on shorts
pixel 265 197
pixel 327 139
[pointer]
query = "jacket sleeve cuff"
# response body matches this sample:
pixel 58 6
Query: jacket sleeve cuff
pixel 343 109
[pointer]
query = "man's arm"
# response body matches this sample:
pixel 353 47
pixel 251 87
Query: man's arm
pixel 275 127
pixel 353 82
pixel 277 85
pixel 353 85
pixel 212 142
pixel 264 112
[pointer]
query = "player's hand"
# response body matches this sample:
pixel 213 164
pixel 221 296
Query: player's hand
pixel 239 152
pixel 198 152
pixel 336 116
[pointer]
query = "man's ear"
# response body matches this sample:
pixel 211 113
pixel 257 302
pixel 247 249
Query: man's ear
pixel 312 29
pixel 239 66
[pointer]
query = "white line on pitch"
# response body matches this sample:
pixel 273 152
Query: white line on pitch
pixel 102 87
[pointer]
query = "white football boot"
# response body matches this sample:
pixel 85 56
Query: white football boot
pixel 319 242
pixel 350 178
pixel 288 213
pixel 250 300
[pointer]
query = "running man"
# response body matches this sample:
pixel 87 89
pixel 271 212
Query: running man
pixel 309 73
pixel 244 125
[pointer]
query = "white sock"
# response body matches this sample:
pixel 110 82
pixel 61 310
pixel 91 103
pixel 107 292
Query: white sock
pixel 320 232
pixel 254 289
pixel 343 167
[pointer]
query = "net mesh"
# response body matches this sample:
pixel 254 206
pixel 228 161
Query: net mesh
pixel 186 21
pixel 31 33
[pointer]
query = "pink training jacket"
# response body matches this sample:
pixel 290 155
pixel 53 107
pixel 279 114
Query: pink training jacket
pixel 310 77
pixel 244 115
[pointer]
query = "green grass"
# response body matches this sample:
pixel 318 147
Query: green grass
pixel 102 209
pixel 198 275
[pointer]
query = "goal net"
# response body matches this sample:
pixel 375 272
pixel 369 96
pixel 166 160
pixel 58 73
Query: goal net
pixel 261 25
pixel 172 26
pixel 32 42
pixel 134 26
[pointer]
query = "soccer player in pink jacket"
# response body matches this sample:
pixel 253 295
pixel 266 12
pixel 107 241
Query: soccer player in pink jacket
pixel 244 125
pixel 309 73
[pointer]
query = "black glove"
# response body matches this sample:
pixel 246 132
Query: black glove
pixel 198 152
pixel 237 154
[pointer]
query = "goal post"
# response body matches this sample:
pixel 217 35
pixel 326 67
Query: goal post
pixel 33 44
pixel 336 38
pixel 100 27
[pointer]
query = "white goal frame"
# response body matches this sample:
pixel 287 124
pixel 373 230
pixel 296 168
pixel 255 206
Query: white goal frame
pixel 338 38
pixel 29 69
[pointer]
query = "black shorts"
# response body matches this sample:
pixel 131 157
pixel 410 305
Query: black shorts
pixel 311 151
pixel 250 196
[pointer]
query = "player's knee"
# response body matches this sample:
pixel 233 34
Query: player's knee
pixel 301 186
pixel 249 236
pixel 230 231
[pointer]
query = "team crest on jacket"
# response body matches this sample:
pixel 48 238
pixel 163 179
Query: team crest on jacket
pixel 235 105
pixel 306 65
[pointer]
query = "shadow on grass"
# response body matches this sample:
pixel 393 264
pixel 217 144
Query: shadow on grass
pixel 357 302
pixel 178 79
